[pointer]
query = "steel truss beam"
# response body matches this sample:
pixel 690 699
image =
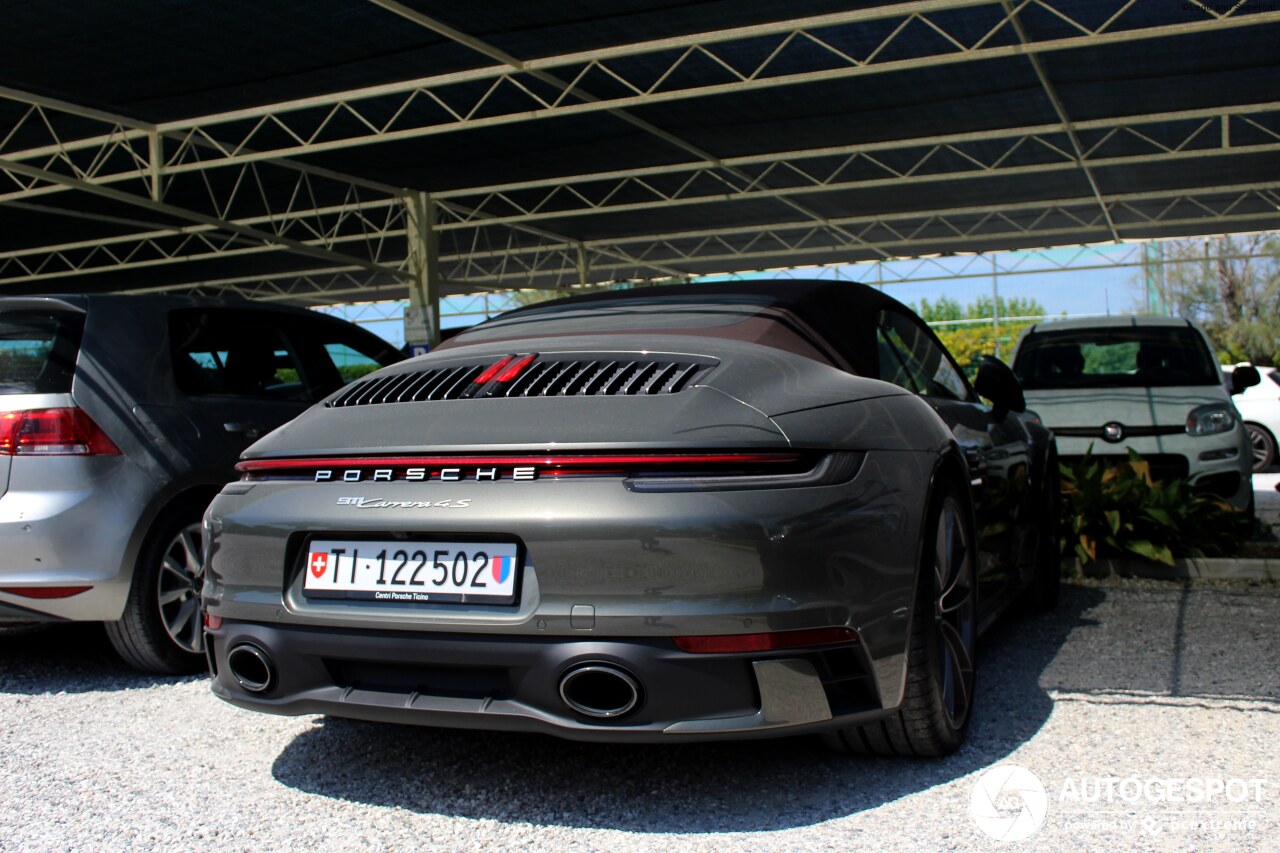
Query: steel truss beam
pixel 367 213
pixel 230 183
pixel 238 231
pixel 1024 151
pixel 1068 128
pixel 911 232
pixel 370 227
pixel 552 264
pixel 1245 129
pixel 988 265
pixel 572 89
pixel 509 92
pixel 256 207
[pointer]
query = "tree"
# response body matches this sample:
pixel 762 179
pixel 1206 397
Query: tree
pixel 947 309
pixel 1230 285
pixel 970 332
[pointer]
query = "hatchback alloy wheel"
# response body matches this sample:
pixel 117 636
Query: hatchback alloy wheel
pixel 178 589
pixel 1263 446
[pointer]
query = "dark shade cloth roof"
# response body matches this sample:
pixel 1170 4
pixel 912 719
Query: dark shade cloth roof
pixel 190 63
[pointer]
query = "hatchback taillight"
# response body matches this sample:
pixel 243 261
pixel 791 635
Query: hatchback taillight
pixel 53 432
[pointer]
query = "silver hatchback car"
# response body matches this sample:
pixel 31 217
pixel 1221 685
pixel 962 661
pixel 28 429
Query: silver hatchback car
pixel 120 418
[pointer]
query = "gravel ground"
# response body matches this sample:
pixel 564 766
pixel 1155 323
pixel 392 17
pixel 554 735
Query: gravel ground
pixel 1268 499
pixel 1131 678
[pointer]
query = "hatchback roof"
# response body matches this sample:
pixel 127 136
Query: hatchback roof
pixel 1111 321
pixel 82 301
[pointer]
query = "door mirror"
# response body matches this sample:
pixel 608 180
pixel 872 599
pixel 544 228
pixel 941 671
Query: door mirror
pixel 1244 376
pixel 997 383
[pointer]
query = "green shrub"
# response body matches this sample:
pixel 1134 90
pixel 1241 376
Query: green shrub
pixel 1114 509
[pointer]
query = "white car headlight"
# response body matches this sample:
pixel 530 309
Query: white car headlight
pixel 1212 419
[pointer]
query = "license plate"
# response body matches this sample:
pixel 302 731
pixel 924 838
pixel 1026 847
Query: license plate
pixel 412 572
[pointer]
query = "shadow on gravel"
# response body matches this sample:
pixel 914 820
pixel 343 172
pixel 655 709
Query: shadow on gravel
pixel 708 787
pixel 65 658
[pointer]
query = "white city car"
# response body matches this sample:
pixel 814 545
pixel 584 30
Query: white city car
pixel 1259 406
pixel 1141 382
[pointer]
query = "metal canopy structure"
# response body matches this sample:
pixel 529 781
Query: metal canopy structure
pixel 328 151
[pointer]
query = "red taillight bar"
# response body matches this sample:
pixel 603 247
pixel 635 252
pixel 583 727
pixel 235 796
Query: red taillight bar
pixel 728 643
pixel 45 591
pixel 249 466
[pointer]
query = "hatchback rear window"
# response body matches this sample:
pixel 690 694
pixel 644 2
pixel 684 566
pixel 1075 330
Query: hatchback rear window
pixel 1116 357
pixel 38 352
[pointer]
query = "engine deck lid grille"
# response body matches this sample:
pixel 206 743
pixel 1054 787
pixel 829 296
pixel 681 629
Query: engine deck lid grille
pixel 608 375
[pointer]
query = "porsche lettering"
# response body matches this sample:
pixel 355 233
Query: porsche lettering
pixel 419 475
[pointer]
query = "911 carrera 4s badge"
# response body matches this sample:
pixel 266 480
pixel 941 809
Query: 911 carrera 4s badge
pixel 379 503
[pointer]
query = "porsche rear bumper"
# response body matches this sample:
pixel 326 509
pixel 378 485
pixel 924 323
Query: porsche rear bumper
pixel 499 683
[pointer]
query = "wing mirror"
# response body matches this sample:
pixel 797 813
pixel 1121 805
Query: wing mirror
pixel 997 383
pixel 1244 376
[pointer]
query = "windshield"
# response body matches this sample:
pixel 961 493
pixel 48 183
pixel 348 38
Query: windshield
pixel 1119 357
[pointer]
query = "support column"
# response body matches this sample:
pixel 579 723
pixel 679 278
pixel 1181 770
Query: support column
pixel 422 317
pixel 995 304
pixel 155 160
pixel 582 263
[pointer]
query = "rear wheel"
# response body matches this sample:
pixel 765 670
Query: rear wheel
pixel 934 716
pixel 1263 444
pixel 161 630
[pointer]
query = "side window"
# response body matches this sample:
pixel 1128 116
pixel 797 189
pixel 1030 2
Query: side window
pixel 234 353
pixel 893 363
pixel 909 357
pixel 350 363
pixel 338 353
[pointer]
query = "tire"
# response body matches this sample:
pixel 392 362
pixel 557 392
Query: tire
pixel 1041 595
pixel 933 719
pixel 161 630
pixel 1263 444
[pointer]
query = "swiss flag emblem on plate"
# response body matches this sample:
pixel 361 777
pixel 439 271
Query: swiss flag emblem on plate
pixel 319 564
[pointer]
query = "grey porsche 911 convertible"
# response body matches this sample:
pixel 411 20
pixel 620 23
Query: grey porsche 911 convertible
pixel 662 514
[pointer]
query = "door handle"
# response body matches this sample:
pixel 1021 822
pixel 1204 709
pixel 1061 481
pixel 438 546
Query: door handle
pixel 248 430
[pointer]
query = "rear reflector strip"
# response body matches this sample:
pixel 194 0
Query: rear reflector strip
pixel 45 591
pixel 422 468
pixel 729 643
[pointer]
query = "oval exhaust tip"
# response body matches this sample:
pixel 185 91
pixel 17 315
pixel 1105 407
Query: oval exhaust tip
pixel 600 690
pixel 251 667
